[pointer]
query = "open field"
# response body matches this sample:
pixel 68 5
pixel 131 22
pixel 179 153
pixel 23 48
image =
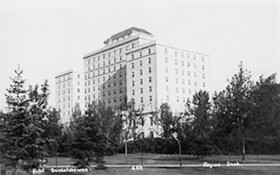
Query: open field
pixel 150 160
pixel 154 159
pixel 191 171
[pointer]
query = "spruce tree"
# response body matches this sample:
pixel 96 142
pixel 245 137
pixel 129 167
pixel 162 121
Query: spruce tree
pixel 23 144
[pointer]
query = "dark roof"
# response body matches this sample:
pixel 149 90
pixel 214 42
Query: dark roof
pixel 126 32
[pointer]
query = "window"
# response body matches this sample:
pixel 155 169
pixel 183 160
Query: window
pixel 183 72
pixel 150 69
pixel 151 121
pixel 140 62
pixel 150 98
pixel 188 64
pixel 120 90
pixel 203 84
pixel 141 100
pixel 141 90
pixel 149 51
pixel 203 67
pixel 132 74
pixel 183 81
pixel 149 60
pixel 132 83
pixel 78 90
pixel 167 98
pixel 141 72
pixel 120 82
pixel 115 92
pixel 167 89
pixel 175 52
pixel 183 63
pixel 166 69
pixel 165 50
pixel 177 90
pixel 176 62
pixel 150 88
pixel 176 80
pixel 176 71
pixel 132 65
pixel 141 81
pixel 203 75
pixel 183 90
pixel 166 79
pixel 166 60
pixel 150 79
pixel 133 92
pixel 140 53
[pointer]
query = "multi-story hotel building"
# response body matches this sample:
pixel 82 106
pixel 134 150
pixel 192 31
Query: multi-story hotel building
pixel 69 89
pixel 133 65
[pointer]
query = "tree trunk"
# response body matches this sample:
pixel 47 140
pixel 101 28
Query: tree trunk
pixel 125 146
pixel 100 163
pixel 243 148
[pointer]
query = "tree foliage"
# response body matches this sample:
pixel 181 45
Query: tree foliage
pixel 198 127
pixel 236 107
pixel 96 134
pixel 24 144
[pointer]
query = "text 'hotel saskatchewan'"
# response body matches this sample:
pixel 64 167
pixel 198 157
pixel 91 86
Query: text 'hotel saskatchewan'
pixel 133 66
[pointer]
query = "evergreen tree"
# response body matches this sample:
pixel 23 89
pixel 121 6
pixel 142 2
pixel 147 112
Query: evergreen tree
pixel 199 125
pixel 94 135
pixel 266 111
pixel 236 108
pixel 24 144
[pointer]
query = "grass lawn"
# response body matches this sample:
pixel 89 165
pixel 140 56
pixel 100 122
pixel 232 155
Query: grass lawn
pixel 154 159
pixel 191 171
pixel 136 159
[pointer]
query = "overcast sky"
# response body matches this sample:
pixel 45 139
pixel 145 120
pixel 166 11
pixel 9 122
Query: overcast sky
pixel 48 37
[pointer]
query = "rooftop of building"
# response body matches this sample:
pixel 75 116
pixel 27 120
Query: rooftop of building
pixel 126 33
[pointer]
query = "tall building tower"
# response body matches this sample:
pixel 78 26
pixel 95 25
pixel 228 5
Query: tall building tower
pixel 69 91
pixel 133 65
pixel 105 69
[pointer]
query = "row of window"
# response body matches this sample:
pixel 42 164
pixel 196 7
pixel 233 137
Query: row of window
pixel 103 71
pixel 183 81
pixel 141 53
pixel 183 63
pixel 183 54
pixel 114 53
pixel 141 81
pixel 141 90
pixel 141 72
pixel 183 72
pixel 140 63
pixel 177 99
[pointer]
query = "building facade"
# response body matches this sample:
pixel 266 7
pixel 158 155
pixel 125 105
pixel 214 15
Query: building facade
pixel 69 89
pixel 133 66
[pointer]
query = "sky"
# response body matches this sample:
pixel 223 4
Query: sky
pixel 46 37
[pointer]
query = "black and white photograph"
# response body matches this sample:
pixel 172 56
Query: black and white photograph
pixel 133 87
